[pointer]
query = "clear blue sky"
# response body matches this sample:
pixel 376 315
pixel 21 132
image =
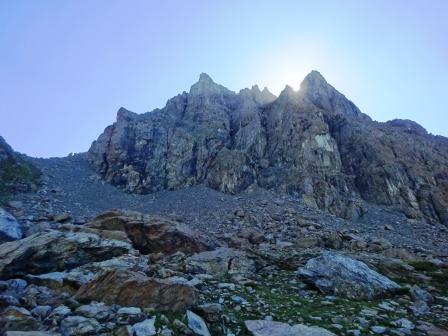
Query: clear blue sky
pixel 67 66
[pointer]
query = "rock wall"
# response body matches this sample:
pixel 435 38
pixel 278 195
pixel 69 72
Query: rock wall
pixel 314 142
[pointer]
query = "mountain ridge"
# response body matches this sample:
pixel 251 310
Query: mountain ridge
pixel 314 142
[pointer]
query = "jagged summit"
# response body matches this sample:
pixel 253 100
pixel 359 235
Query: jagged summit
pixel 313 142
pixel 206 86
pixel 314 78
pixel 288 90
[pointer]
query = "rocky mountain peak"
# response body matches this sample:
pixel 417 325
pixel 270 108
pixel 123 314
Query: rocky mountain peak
pixel 258 96
pixel 287 93
pixel 314 79
pixel 315 88
pixel 268 93
pixel 206 86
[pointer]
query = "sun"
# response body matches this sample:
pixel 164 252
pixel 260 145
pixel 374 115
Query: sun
pixel 287 66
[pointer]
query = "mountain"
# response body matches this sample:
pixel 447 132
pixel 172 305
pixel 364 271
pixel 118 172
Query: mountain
pixel 313 142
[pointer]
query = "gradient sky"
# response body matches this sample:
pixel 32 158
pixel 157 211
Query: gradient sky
pixel 67 66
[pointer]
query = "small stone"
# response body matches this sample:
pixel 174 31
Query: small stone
pixel 197 324
pixel 378 329
pixel 99 311
pixel 79 325
pixel 145 328
pixel 211 312
pixel 129 315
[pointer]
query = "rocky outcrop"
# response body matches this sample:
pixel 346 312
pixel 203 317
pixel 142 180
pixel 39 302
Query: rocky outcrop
pixel 150 234
pixel 56 251
pixel 129 288
pixel 314 142
pixel 336 274
pixel 16 173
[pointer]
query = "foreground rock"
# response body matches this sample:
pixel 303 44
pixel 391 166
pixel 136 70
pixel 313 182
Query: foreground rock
pixel 336 274
pixel 10 229
pixel 151 234
pixel 18 318
pixel 272 328
pixel 127 288
pixel 56 251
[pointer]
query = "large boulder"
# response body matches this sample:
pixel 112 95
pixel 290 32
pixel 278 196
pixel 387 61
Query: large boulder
pixel 56 251
pixel 339 275
pixel 273 328
pixel 10 228
pixel 127 288
pixel 151 234
pixel 71 280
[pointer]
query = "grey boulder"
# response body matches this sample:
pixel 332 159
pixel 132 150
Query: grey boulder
pixel 10 228
pixel 336 274
pixel 145 328
pixel 197 324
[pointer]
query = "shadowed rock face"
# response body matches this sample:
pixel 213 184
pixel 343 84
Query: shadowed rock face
pixel 16 174
pixel 314 142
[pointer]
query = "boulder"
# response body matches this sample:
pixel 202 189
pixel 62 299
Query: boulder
pixel 56 251
pixel 79 325
pixel 273 328
pixel 128 288
pixel 220 262
pixel 254 236
pixel 145 328
pixel 211 312
pixel 97 310
pixel 10 228
pixel 336 274
pixel 151 234
pixel 129 315
pixel 71 280
pixel 18 319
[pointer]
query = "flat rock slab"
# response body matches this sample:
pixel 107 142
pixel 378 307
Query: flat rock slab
pixel 151 234
pixel 56 251
pixel 134 289
pixel 273 328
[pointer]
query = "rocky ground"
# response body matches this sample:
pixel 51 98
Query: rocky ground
pixel 206 263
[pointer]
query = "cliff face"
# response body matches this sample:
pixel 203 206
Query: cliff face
pixel 314 142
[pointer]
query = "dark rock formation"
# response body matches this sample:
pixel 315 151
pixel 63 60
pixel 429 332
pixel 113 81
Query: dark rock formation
pixel 16 173
pixel 314 142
